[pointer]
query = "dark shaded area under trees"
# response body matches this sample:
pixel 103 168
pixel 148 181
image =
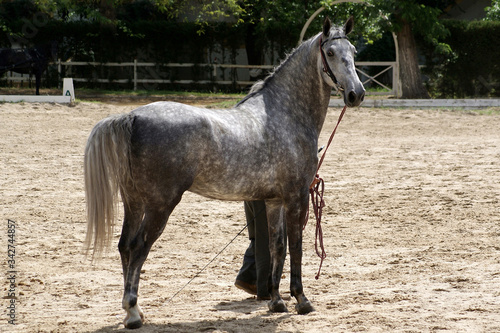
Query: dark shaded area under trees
pixel 140 30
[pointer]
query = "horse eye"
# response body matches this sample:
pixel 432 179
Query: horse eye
pixel 330 53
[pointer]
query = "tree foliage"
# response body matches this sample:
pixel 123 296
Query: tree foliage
pixel 493 11
pixel 373 18
pixel 88 28
pixel 474 70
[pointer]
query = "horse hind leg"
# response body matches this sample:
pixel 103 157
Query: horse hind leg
pixel 135 243
pixel 134 213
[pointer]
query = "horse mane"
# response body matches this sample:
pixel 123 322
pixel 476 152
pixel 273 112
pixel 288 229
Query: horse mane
pixel 261 84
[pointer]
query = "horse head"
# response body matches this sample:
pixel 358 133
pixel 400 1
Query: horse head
pixel 337 57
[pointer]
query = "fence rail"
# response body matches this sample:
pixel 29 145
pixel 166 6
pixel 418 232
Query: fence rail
pixel 214 70
pixel 388 66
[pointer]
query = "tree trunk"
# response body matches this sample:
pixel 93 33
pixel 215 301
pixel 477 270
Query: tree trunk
pixel 254 53
pixel 107 9
pixel 411 84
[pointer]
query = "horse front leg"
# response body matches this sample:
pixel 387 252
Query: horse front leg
pixel 294 231
pixel 277 251
pixel 38 82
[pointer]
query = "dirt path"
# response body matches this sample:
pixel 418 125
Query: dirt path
pixel 411 230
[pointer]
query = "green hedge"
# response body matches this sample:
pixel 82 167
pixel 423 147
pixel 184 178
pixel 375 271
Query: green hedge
pixel 148 41
pixel 474 70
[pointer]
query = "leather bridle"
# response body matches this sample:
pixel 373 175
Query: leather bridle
pixel 326 67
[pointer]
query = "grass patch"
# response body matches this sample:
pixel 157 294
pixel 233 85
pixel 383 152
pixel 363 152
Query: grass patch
pixel 493 111
pixel 227 104
pixel 377 89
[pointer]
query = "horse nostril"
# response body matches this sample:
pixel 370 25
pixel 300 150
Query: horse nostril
pixel 362 97
pixel 352 97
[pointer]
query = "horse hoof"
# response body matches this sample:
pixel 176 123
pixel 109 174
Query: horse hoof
pixel 134 324
pixel 277 306
pixel 134 318
pixel 304 307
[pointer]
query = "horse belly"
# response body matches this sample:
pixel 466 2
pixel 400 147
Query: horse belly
pixel 242 182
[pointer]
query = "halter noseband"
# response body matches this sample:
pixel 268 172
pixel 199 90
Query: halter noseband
pixel 326 67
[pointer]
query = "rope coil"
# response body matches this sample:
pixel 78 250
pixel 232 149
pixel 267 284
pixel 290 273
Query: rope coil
pixel 316 191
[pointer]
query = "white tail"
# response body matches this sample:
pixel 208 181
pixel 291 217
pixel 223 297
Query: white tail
pixel 106 169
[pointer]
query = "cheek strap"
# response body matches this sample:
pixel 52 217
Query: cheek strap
pixel 326 67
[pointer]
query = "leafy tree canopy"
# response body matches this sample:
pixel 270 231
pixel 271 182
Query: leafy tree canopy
pixel 493 11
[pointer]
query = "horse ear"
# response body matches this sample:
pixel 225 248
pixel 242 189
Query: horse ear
pixel 327 26
pixel 349 24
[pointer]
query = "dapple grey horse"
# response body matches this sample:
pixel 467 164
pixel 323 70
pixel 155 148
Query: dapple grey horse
pixel 265 148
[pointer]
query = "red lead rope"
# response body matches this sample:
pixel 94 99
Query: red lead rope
pixel 316 190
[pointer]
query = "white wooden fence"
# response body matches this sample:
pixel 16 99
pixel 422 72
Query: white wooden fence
pixel 153 77
pixel 388 65
pixel 214 69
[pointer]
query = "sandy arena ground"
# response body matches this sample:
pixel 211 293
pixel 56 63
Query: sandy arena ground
pixel 411 230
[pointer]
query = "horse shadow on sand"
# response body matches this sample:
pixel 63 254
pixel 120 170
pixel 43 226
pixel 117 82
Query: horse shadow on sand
pixel 253 321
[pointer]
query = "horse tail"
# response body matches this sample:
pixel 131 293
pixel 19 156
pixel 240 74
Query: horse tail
pixel 106 170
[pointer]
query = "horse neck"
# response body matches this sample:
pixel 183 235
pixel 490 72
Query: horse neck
pixel 299 84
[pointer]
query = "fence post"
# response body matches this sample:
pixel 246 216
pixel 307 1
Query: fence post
pixel 394 80
pixel 59 76
pixel 135 74
pixel 396 67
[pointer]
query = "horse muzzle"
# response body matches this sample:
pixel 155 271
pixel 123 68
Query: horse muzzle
pixel 354 96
